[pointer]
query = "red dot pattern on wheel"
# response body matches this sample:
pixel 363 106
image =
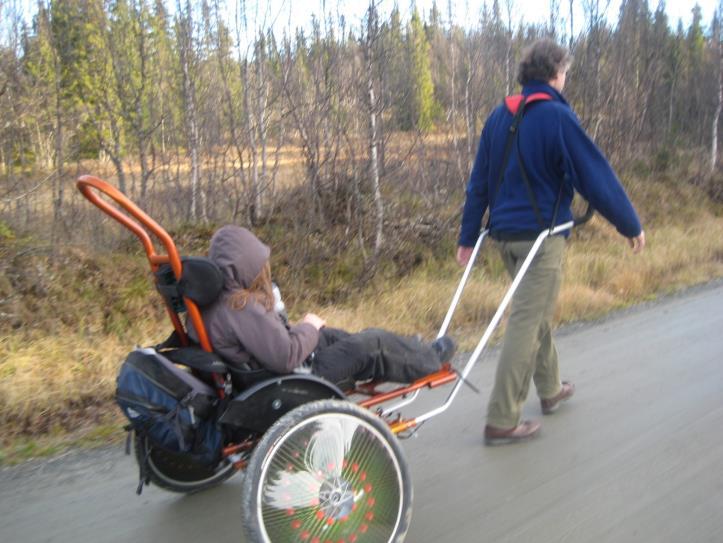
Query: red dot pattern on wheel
pixel 341 471
pixel 336 480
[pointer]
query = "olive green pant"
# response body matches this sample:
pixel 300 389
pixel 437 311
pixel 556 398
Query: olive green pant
pixel 527 348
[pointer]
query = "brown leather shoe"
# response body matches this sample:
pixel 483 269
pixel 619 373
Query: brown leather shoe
pixel 527 429
pixel 550 405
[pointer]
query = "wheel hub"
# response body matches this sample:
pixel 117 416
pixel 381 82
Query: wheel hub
pixel 336 498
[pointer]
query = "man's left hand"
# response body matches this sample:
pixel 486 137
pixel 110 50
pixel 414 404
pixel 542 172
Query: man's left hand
pixel 637 244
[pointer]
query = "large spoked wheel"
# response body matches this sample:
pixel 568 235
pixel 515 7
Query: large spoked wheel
pixel 177 472
pixel 327 471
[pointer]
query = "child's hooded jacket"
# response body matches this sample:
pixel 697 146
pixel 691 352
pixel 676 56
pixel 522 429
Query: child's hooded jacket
pixel 250 335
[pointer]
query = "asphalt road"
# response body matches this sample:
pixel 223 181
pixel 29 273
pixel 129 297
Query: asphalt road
pixel 635 456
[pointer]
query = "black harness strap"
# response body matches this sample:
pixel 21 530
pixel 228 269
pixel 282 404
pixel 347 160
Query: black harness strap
pixel 512 137
pixel 506 156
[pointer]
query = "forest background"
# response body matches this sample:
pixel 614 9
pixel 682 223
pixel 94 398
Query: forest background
pixel 345 146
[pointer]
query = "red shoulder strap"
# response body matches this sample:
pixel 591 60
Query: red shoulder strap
pixel 513 102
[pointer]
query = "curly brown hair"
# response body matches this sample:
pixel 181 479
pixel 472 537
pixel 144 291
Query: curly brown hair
pixel 541 61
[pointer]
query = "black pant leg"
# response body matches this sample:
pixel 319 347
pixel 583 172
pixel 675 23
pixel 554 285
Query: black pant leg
pixel 404 358
pixel 328 336
pixel 375 354
pixel 343 360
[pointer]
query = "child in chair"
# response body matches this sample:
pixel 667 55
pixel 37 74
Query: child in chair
pixel 245 328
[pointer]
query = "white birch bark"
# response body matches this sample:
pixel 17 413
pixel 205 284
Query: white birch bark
pixel 508 52
pixel 453 77
pixel 468 111
pixel 716 115
pixel 190 110
pixel 572 26
pixel 371 109
pixel 251 135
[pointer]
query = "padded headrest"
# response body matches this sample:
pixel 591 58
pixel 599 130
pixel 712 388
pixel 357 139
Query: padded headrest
pixel 201 281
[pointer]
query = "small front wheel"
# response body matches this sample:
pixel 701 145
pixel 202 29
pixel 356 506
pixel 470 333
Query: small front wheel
pixel 327 471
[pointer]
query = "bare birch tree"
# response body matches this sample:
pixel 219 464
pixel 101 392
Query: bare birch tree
pixel 452 111
pixel 130 43
pixel 372 34
pixel 716 116
pixel 572 24
pixel 509 5
pixel 185 38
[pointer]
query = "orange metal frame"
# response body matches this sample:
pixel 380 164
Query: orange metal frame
pixel 137 221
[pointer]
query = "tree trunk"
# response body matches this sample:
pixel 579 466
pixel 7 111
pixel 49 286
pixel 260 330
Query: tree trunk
pixel 190 111
pixel 453 77
pixel 116 154
pixel 508 51
pixel 716 115
pixel 572 26
pixel 253 203
pixel 142 133
pixel 262 104
pixel 671 103
pixel 58 162
pixel 468 111
pixel 371 110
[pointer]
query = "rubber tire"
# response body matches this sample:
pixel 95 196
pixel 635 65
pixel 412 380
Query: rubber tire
pixel 166 482
pixel 289 421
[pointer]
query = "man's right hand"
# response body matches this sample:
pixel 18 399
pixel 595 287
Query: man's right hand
pixel 463 255
pixel 314 320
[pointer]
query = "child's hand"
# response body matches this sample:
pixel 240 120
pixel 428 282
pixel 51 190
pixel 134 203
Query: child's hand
pixel 315 320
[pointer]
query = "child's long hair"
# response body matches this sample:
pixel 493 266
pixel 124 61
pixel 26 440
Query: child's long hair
pixel 260 289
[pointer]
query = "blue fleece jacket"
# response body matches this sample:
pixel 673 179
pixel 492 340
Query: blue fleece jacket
pixel 555 149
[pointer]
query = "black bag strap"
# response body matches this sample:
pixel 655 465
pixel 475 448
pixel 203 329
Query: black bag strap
pixel 506 156
pixel 512 137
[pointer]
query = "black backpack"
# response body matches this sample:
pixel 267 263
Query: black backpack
pixel 169 406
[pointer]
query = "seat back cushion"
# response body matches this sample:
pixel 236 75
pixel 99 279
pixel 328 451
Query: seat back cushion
pixel 201 281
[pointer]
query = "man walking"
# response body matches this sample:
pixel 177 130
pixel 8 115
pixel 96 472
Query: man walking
pixel 526 177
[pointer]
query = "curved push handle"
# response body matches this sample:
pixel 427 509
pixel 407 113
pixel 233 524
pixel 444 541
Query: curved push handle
pixel 90 185
pixel 138 222
pixel 582 219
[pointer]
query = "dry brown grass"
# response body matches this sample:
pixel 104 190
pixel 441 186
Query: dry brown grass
pixel 51 382
pixel 600 274
pixel 58 382
pixel 603 274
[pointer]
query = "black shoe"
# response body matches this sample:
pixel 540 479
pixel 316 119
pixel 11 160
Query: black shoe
pixel 445 348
